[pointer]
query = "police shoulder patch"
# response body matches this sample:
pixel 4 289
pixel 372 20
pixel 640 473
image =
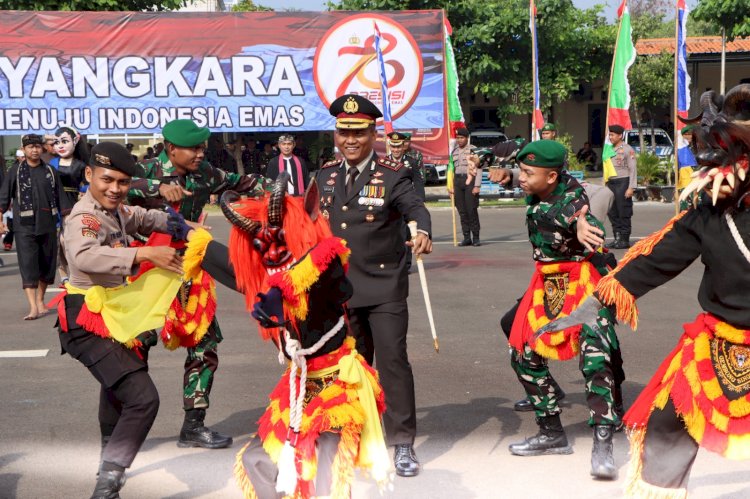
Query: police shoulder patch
pixel 335 162
pixel 390 164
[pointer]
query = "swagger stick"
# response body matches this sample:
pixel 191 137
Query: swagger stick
pixel 425 291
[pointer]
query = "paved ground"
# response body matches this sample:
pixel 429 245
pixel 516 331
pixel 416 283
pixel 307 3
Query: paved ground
pixel 49 443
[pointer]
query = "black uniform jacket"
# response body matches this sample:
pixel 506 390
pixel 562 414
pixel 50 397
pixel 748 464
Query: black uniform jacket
pixel 702 232
pixel 370 219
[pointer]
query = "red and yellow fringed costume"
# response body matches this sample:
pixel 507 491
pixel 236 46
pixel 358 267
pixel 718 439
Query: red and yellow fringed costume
pixel 556 289
pixel 192 310
pixel 342 394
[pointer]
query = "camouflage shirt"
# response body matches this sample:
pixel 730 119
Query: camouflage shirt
pixel 552 222
pixel 202 183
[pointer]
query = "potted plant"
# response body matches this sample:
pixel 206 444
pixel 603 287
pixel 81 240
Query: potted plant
pixel 649 173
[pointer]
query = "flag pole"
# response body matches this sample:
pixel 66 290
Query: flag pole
pixel 676 110
pixel 533 73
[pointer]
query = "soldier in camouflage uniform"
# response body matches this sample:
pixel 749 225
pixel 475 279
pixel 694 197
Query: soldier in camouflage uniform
pixel 182 177
pixel 564 237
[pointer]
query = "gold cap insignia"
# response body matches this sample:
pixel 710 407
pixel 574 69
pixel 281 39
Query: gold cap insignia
pixel 351 106
pixel 102 160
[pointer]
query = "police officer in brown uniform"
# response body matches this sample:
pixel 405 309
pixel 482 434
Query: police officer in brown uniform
pixel 96 245
pixel 365 199
pixel 622 186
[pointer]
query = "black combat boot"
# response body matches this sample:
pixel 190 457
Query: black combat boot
pixel 602 461
pixel 466 241
pixel 614 243
pixel 475 240
pixel 195 434
pixel 525 405
pixel 624 241
pixel 551 439
pixel 108 484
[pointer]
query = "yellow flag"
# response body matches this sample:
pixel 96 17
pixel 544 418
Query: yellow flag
pixel 608 169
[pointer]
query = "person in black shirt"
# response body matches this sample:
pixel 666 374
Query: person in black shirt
pixel 35 189
pixel 287 161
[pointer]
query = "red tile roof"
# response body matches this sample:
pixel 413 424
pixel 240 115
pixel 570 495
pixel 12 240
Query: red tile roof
pixel 695 45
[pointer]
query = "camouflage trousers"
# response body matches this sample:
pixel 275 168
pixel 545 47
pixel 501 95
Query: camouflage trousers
pixel 200 366
pixel 599 361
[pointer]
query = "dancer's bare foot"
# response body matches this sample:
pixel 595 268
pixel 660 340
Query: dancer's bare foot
pixel 42 310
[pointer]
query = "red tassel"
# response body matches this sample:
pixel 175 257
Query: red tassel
pixel 91 322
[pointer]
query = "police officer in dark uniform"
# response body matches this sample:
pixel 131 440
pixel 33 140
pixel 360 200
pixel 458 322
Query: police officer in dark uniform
pixel 365 199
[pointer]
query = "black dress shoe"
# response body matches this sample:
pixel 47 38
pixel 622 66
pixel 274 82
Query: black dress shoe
pixel 405 461
pixel 465 242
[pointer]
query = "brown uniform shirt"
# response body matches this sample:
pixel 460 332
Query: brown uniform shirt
pixel 625 164
pixel 96 241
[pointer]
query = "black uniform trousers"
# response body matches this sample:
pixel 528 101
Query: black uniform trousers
pixel 668 450
pixel 621 211
pixel 467 205
pixel 380 332
pixel 128 400
pixel 37 256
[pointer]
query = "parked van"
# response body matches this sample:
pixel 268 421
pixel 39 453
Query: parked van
pixel 662 147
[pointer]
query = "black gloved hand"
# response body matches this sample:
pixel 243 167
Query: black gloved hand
pixel 268 306
pixel 176 225
pixel 148 339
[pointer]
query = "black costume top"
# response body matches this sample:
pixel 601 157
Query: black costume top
pixel 370 219
pixel 701 232
pixel 326 298
pixel 71 177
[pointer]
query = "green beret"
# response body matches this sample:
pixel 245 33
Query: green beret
pixel 543 153
pixel 549 127
pixel 687 129
pixel 407 135
pixel 185 133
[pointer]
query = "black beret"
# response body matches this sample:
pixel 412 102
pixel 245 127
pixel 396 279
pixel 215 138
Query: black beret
pixel 354 112
pixel 619 130
pixel 31 139
pixel 114 157
pixel 462 132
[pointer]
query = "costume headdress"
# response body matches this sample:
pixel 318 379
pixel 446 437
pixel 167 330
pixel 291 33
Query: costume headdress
pixel 723 143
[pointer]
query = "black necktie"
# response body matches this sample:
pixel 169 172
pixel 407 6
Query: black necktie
pixel 353 172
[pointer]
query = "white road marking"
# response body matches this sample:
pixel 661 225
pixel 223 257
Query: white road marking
pixel 13 354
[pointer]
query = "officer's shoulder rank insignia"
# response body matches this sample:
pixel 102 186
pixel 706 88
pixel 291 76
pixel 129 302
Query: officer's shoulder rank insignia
pixel 330 164
pixel 390 164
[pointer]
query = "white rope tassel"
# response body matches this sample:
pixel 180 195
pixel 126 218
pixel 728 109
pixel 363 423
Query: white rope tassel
pixel 286 481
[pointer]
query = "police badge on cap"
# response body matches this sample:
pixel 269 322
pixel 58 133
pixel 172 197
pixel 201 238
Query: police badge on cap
pixel 113 156
pixel 353 112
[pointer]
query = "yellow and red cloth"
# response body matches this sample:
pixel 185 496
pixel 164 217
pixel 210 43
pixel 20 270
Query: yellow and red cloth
pixel 573 282
pixel 341 407
pixel 689 377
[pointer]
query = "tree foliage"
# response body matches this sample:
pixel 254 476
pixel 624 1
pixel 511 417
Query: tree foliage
pixel 652 81
pixel 493 46
pixel 732 15
pixel 249 6
pixel 69 5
